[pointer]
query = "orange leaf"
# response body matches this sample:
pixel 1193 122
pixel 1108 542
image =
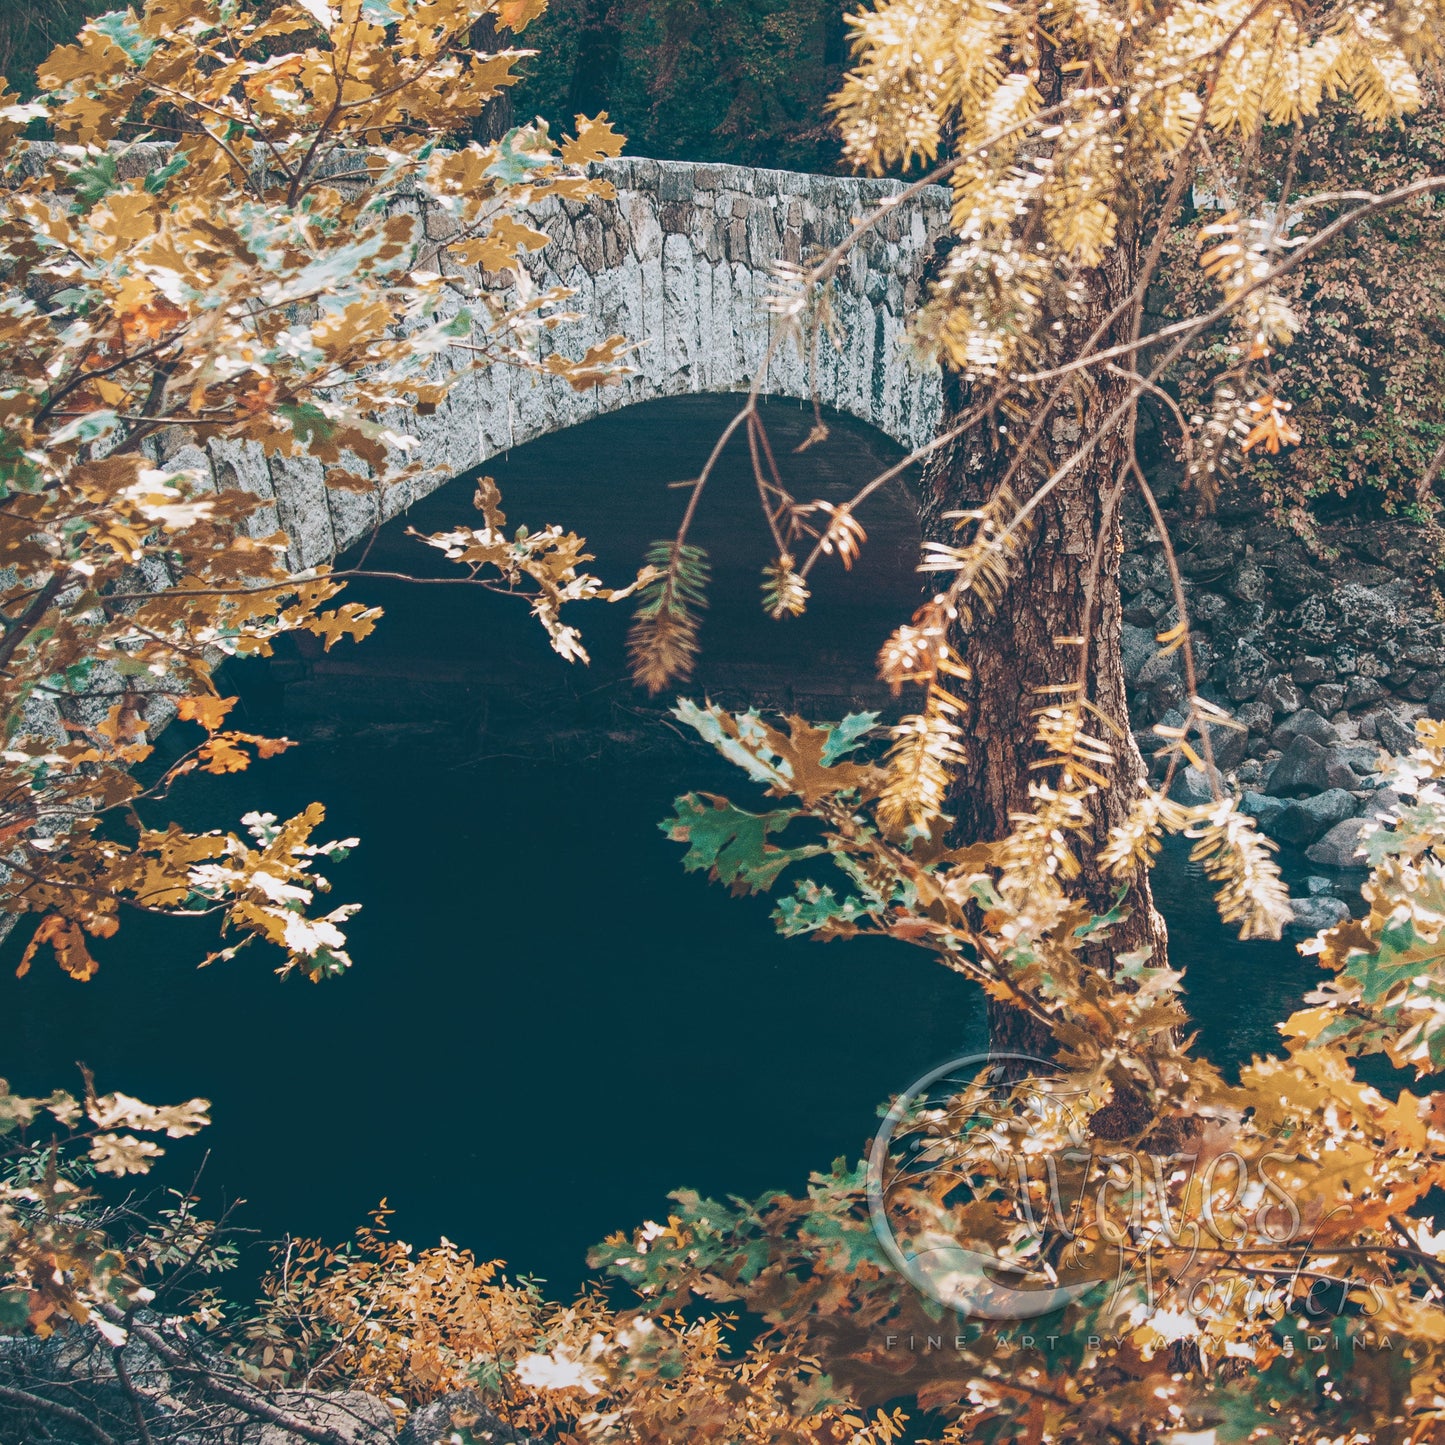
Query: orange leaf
pixel 518 14
pixel 221 755
pixel 205 709
pixel 69 944
pixel 595 140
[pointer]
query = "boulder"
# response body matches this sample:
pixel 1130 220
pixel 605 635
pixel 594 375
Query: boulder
pixel 1281 694
pixel 1362 757
pixel 1303 723
pixel 350 1415
pixel 1248 583
pixel 1316 886
pixel 1302 822
pixel 1146 610
pixel 1246 673
pixel 1313 914
pixel 1363 691
pixel 1257 716
pixel 1249 774
pixel 1337 848
pixel 462 1415
pixel 1136 648
pixel 1396 735
pixel 1191 786
pixel 1228 745
pixel 1204 608
pixel 1328 697
pixel 1158 668
pixel 1310 670
pixel 1262 807
pixel 1308 767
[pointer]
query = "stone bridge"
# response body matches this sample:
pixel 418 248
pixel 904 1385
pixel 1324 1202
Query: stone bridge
pixel 681 262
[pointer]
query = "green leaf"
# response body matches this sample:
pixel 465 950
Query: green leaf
pixel 157 179
pixel 521 153
pixel 92 183
pixel 847 735
pixel 733 844
pixel 814 909
pixel 123 27
pixel 14 1309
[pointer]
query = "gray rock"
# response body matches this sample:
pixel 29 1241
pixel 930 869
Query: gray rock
pixel 1228 745
pixel 1435 703
pixel 1307 767
pixel 1204 608
pixel 1316 887
pixel 1166 694
pixel 1394 734
pixel 1158 669
pixel 1257 716
pixel 1310 670
pixel 1262 807
pixel 1249 773
pixel 1246 672
pixel 1146 610
pixel 1304 723
pixel 1384 800
pixel 1302 822
pixel 1191 786
pixel 1328 697
pixel 1337 848
pixel 1362 757
pixel 1363 691
pixel 1313 914
pixel 1137 646
pixel 463 1416
pixel 350 1415
pixel 1138 572
pixel 1248 583
pixel 1281 694
pixel 1423 685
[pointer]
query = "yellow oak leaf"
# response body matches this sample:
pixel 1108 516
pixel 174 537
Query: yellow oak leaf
pixel 518 14
pixel 221 755
pixel 351 620
pixel 205 709
pixel 65 937
pixel 595 141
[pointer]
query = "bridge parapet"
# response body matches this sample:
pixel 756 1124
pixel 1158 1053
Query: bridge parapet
pixel 681 261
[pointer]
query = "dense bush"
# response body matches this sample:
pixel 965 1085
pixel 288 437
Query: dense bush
pixel 1364 374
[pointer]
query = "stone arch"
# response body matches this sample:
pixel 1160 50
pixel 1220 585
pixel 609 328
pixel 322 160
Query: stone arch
pixel 683 261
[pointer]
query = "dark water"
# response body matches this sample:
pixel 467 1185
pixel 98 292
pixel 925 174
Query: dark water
pixel 549 1025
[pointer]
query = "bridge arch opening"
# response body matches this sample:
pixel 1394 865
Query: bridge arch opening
pixel 445 650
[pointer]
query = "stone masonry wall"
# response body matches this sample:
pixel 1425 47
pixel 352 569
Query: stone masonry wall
pixel 681 262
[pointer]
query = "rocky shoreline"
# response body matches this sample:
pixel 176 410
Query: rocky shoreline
pixel 1325 654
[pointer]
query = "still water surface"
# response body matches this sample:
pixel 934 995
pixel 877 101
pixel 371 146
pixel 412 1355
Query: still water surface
pixel 548 1025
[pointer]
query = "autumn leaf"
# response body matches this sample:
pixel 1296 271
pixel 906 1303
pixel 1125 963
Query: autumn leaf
pixel 65 937
pixel 352 620
pixel 595 141
pixel 222 755
pixel 206 709
pixel 516 15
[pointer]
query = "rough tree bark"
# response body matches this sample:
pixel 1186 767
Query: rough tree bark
pixel 498 115
pixel 1013 652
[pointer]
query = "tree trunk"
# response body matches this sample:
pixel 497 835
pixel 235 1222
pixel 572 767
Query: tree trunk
pixel 1013 652
pixel 497 116
pixel 599 52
